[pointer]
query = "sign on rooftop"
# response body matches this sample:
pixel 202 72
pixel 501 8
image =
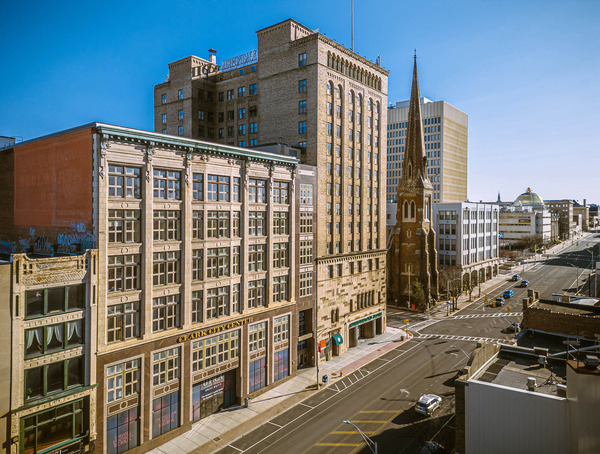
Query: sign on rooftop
pixel 241 60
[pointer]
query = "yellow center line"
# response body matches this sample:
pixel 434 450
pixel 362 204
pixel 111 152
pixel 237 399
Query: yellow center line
pixel 354 445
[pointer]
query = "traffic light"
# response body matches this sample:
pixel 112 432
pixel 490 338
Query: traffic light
pixel 507 308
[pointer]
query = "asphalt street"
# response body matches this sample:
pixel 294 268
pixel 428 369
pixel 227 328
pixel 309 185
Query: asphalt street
pixel 379 398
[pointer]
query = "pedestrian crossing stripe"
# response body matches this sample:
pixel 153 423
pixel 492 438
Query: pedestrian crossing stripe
pixel 354 445
pixel 462 338
pixel 499 314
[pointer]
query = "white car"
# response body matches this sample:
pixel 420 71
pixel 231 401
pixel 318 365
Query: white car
pixel 428 403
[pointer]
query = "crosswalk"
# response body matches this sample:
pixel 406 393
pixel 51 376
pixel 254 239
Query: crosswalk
pixel 497 314
pixel 458 338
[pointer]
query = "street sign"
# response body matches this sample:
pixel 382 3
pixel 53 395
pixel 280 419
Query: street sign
pixel 507 308
pixel 485 299
pixel 406 321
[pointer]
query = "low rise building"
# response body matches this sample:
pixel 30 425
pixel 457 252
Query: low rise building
pixel 467 242
pixel 526 222
pixel 47 348
pixel 564 208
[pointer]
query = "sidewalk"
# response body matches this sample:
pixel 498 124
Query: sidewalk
pixel 222 428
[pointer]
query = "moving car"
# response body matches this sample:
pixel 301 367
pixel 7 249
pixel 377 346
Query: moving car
pixel 524 283
pixel 515 278
pixel 428 403
pixel 499 301
pixel 508 293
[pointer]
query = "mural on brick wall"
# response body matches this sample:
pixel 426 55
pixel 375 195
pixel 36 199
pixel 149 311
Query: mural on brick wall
pixel 78 239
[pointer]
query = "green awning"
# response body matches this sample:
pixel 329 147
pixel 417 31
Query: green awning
pixel 337 338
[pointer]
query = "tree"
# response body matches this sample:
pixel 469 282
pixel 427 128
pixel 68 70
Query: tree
pixel 418 295
pixel 451 283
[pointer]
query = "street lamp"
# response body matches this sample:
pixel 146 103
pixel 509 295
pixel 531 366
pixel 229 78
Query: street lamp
pixel 370 443
pixel 576 276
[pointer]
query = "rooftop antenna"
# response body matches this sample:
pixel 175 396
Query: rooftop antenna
pixel 352 25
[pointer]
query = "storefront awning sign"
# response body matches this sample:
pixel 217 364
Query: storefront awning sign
pixel 366 319
pixel 337 338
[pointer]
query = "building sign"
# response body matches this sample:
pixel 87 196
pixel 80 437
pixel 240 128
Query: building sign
pixel 212 387
pixel 216 329
pixel 241 60
pixel 366 319
pixel 76 447
pixel 525 221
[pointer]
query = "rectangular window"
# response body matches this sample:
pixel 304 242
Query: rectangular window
pixel 198 186
pixel 164 119
pixel 180 115
pixel 302 127
pixel 253 128
pixel 123 272
pixel 301 107
pixel 257 376
pixel 256 257
pixel 281 329
pixel 217 262
pixel 280 223
pixel 257 337
pixel 217 224
pixel 256 223
pixel 165 313
pixel 306 280
pixel 235 224
pixel 197 225
pixel 217 302
pixel 256 295
pixel 53 378
pixel 166 268
pixel 163 99
pixel 123 226
pixel 180 130
pixel 306 194
pixel 235 196
pixel 122 380
pixel 49 429
pixel 281 255
pixel 54 338
pixel 252 89
pixel 306 223
pixel 257 191
pixel 123 322
pixel 216 350
pixel 302 86
pixel 217 188
pixel 241 130
pixel 280 289
pixel 242 113
pixel 54 300
pixel 124 181
pixel 167 225
pixel 180 94
pixel 306 252
pixel 281 192
pixel 302 59
pixel 230 95
pixel 167 184
pixel 197 260
pixel 241 92
pixel 165 414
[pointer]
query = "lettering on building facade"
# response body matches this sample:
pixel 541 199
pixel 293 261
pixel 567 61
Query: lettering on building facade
pixel 216 329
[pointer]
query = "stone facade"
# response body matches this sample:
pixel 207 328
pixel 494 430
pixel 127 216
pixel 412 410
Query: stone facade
pixel 412 256
pixel 50 340
pixel 314 94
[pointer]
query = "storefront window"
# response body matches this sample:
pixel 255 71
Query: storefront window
pixel 281 363
pixel 122 431
pixel 258 375
pixel 165 414
pixel 46 429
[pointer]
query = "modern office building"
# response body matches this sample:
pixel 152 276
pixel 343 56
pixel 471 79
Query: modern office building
pixel 467 242
pixel 199 282
pixel 304 89
pixel 445 130
pixel 47 351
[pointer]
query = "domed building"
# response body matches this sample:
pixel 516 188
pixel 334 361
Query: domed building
pixel 529 199
pixel 527 222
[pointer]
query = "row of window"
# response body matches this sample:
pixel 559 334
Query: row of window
pixel 353 267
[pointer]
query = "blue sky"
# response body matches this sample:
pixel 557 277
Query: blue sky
pixel 526 72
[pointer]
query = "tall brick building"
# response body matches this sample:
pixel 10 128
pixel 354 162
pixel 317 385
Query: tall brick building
pixel 305 89
pixel 412 257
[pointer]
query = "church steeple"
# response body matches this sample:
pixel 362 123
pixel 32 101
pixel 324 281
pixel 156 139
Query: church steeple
pixel 414 165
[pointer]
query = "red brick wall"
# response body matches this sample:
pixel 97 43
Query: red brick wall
pixel 46 195
pixel 557 322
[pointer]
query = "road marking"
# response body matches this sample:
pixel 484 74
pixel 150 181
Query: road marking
pixel 302 403
pixel 377 411
pixel 276 425
pixel 354 445
pixel 237 449
pixel 462 338
pixel 365 421
pixel 351 432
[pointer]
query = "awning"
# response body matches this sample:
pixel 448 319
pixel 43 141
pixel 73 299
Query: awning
pixel 337 338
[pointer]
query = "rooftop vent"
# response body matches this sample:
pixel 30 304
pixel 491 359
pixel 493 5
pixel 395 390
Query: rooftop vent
pixel 591 361
pixel 531 384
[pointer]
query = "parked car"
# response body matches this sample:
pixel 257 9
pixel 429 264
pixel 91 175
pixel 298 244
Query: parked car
pixel 515 278
pixel 508 293
pixel 499 301
pixel 524 283
pixel 428 403
pixel 516 326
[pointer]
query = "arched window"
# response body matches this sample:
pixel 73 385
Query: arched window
pixel 412 210
pixel 337 315
pixel 409 170
pixel 405 210
pixel 330 88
